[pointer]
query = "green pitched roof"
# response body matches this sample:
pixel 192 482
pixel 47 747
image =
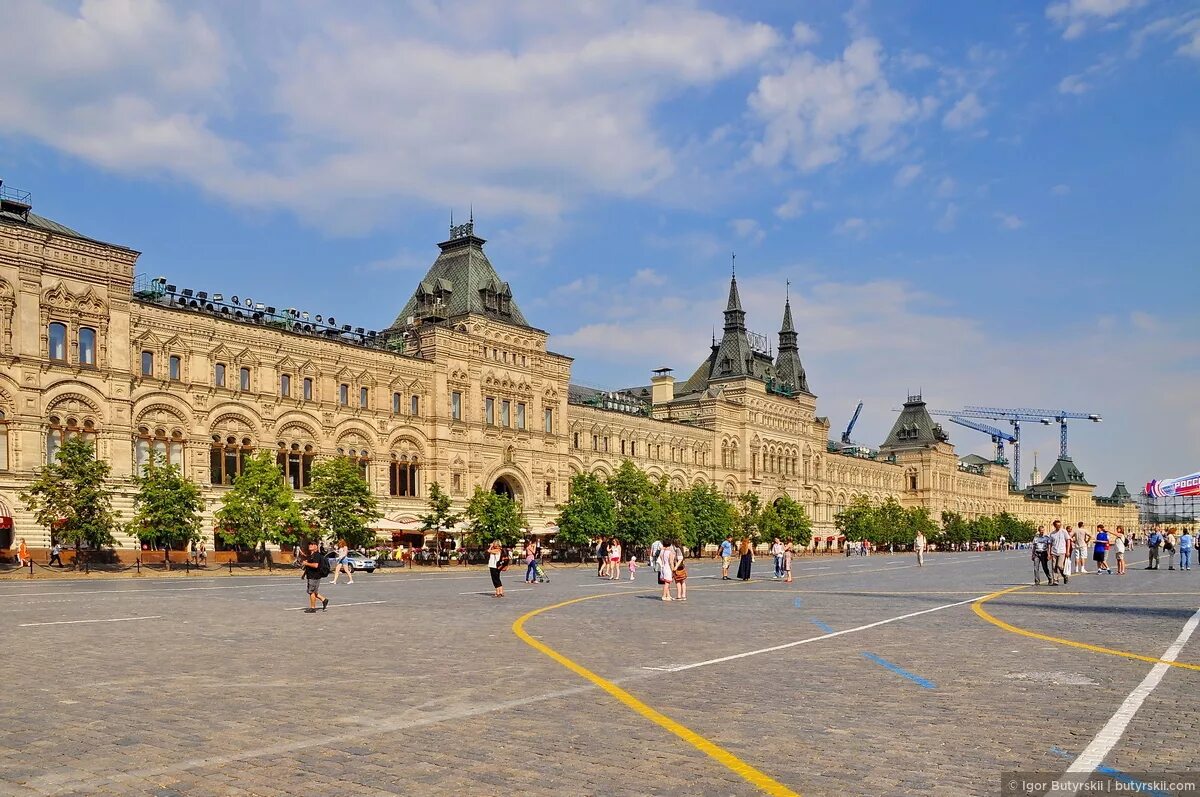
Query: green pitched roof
pixel 914 428
pixel 1063 473
pixel 462 281
pixel 32 219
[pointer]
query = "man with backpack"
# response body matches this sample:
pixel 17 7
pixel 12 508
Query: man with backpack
pixel 1041 555
pixel 1153 543
pixel 316 567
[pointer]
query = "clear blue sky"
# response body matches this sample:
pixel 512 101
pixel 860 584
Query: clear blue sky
pixel 990 202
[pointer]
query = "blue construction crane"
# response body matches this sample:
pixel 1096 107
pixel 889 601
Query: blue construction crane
pixel 999 436
pixel 850 426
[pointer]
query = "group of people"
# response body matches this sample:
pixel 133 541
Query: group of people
pixel 782 552
pixel 1057 552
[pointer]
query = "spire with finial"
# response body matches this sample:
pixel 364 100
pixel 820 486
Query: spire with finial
pixel 788 369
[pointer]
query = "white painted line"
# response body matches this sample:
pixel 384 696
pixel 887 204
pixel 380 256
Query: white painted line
pixel 823 636
pixel 111 620
pixel 1094 754
pixel 518 589
pixel 335 605
pixel 825 567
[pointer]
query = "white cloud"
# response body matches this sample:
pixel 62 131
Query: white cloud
pixel 946 187
pixel 1062 189
pixel 814 111
pixel 794 206
pixel 949 218
pixel 907 174
pixel 965 113
pixel 749 229
pixel 1076 17
pixel 853 227
pixel 1073 84
pixel 804 35
pixel 915 61
pixel 1185 27
pixel 646 277
pixel 524 112
pixel 1009 221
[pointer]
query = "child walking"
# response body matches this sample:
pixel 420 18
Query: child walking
pixel 632 567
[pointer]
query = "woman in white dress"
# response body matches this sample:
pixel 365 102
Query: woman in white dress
pixel 666 570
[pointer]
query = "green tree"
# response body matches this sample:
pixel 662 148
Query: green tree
pixel 792 520
pixel 70 498
pixel 589 513
pixel 954 528
pixel 639 509
pixel 1015 530
pixel 338 503
pixel 707 516
pixel 890 524
pixel 748 522
pixel 260 508
pixel 440 518
pixel 166 508
pixel 494 517
pixel 858 520
pixel 920 520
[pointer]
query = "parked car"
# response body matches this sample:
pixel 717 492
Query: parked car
pixel 357 560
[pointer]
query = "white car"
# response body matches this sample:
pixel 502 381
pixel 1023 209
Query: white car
pixel 356 560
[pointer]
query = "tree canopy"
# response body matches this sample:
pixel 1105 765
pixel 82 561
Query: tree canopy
pixel 338 503
pixel 70 497
pixel 589 512
pixel 494 517
pixel 167 506
pixel 638 504
pixel 259 507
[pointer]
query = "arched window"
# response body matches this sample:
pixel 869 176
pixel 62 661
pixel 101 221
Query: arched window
pixel 402 476
pixel 3 441
pixel 168 447
pixel 359 456
pixel 87 346
pixel 60 430
pixel 296 463
pixel 58 341
pixel 227 458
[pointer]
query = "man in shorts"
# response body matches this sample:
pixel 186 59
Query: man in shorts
pixel 316 567
pixel 726 556
pixel 1079 553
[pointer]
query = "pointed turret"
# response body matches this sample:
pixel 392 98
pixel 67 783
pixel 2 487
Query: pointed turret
pixel 734 356
pixel 914 428
pixel 789 373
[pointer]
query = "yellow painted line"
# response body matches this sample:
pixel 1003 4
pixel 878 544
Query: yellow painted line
pixel 979 610
pixel 760 780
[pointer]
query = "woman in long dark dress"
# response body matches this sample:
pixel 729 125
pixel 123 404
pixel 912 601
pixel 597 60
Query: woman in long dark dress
pixel 747 554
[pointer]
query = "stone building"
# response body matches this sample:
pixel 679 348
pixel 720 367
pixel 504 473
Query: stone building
pixel 459 389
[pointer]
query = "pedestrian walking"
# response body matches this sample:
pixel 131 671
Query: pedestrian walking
pixel 530 562
pixel 680 573
pixel 655 549
pixel 602 558
pixel 746 552
pixel 1186 543
pixel 1060 549
pixel 1101 552
pixel 497 563
pixel 789 550
pixel 1041 555
pixel 666 570
pixel 726 552
pixel 919 544
pixel 1119 546
pixel 316 567
pixel 55 555
pixel 777 556
pixel 614 560
pixel 1080 540
pixel 1153 546
pixel 343 563
pixel 1169 542
pixel 632 567
pixel 202 553
pixel 22 553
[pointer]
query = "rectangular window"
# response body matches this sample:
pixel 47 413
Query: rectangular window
pixel 489 411
pixel 605 445
pixel 622 448
pixel 308 388
pixel 244 376
pixel 58 342
pixel 175 366
pixel 456 482
pixel 219 375
pixel 505 407
pixel 396 400
pixel 147 363
pixel 363 397
pixel 456 405
pixel 344 394
pixel 633 448
pixel 595 442
pixel 520 415
pixel 549 489
pixel 548 422
pixel 87 346
pixel 414 406
pixel 575 440
pixel 285 385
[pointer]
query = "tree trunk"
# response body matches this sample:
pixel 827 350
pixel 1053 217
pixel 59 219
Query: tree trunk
pixel 167 557
pixel 78 554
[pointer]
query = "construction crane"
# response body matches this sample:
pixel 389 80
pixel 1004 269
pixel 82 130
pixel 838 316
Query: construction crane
pixel 850 426
pixel 999 436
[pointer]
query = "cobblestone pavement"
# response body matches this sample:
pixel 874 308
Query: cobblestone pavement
pixel 414 683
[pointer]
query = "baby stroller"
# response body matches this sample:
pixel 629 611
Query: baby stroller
pixel 541 572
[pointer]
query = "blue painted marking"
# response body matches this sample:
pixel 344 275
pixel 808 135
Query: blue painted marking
pixel 899 671
pixel 1138 786
pixel 827 629
pixel 797 602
